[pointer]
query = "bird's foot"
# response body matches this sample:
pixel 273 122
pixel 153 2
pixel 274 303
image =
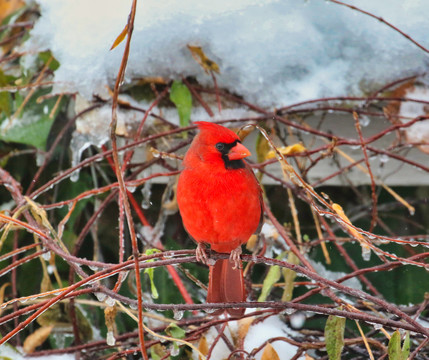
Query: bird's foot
pixel 235 258
pixel 200 254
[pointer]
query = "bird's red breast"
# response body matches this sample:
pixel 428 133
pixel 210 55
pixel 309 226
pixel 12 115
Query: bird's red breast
pixel 218 195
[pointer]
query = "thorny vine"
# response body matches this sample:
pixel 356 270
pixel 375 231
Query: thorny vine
pixel 89 285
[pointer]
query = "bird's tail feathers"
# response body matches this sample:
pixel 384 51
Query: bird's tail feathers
pixel 226 285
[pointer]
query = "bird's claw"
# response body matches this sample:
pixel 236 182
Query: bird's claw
pixel 235 258
pixel 201 255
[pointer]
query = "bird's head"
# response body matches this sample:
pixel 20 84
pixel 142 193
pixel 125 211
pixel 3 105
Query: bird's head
pixel 218 144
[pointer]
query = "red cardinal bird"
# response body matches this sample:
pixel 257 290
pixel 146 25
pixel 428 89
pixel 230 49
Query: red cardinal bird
pixel 220 201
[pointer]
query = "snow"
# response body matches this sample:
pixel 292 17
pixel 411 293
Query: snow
pixel 257 334
pixel 419 131
pixel 270 328
pixel 272 52
pixel 8 351
pixel 354 283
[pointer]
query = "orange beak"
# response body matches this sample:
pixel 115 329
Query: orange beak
pixel 238 152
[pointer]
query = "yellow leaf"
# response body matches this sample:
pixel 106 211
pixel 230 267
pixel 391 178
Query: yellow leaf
pixel 2 290
pixel 269 353
pixel 352 231
pixel 203 347
pixel 201 58
pixel 340 212
pixel 253 241
pixel 8 7
pixel 287 150
pixel 243 327
pixel 120 37
pixel 37 338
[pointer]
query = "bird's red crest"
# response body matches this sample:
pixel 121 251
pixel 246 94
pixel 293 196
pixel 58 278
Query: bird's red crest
pixel 214 133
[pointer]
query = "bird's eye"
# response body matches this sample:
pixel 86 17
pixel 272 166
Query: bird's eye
pixel 220 146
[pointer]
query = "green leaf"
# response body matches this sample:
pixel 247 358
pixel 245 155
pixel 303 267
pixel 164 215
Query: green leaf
pixel 150 271
pixel 182 98
pixel 406 347
pixel 394 348
pixel 34 125
pixel 5 96
pixel 272 277
pixel 45 56
pixel 5 103
pixel 154 354
pixel 34 133
pixel 289 276
pixel 175 331
pixel 334 336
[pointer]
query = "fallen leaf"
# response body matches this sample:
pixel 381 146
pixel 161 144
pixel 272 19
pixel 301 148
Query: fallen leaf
pixel 244 326
pixel 201 58
pixel 270 353
pixel 203 347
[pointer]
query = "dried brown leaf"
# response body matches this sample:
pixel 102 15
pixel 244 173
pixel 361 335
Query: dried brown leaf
pixel 201 58
pixel 392 108
pixel 244 326
pixel 270 353
pixel 203 347
pixel 37 338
